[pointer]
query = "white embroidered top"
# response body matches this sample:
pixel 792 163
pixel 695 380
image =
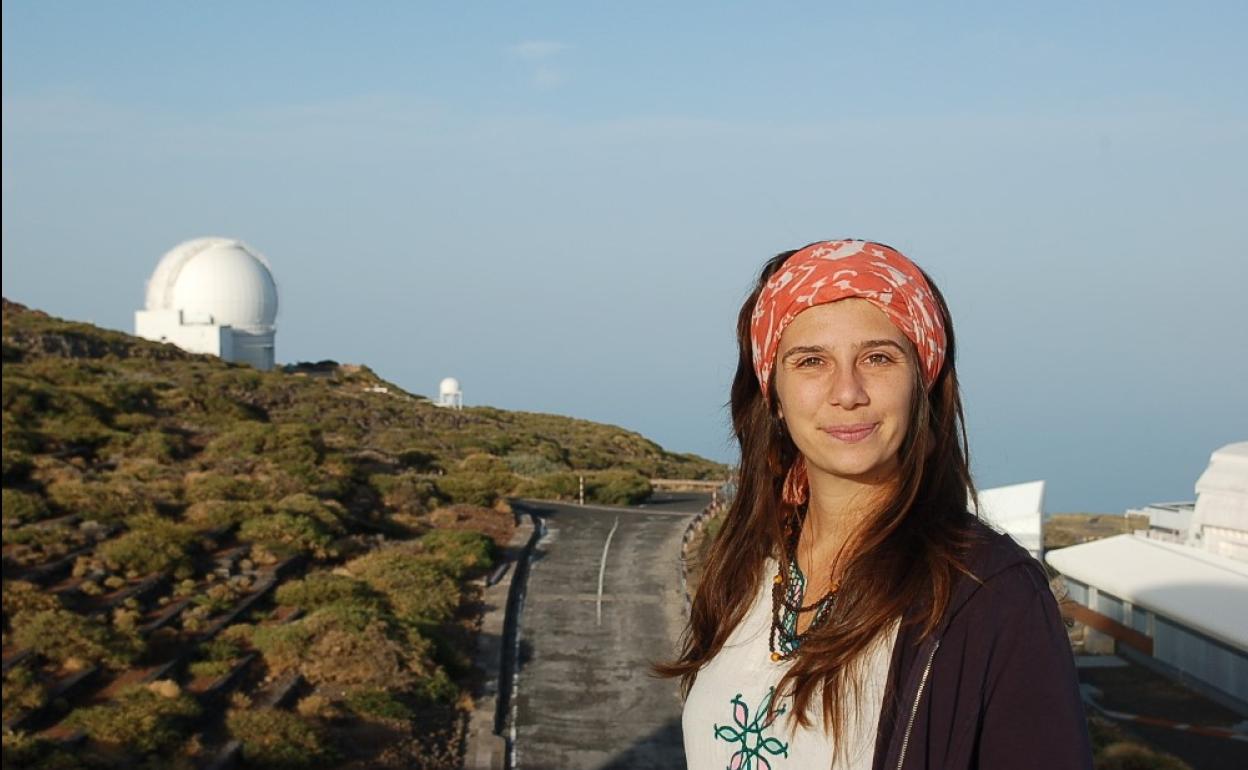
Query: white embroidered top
pixel 725 716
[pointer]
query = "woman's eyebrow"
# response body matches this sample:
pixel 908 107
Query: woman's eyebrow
pixel 878 343
pixel 803 349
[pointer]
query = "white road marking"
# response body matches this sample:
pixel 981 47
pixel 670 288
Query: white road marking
pixel 602 567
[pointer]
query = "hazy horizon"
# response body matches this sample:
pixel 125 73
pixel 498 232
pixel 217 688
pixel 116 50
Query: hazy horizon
pixel 563 208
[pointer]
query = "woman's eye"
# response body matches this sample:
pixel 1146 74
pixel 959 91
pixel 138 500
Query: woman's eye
pixel 879 359
pixel 808 361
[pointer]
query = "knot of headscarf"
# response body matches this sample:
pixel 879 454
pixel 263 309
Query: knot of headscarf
pixel 828 271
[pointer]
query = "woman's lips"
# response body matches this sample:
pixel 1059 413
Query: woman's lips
pixel 851 434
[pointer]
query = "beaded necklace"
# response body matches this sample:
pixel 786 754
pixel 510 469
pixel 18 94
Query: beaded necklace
pixel 787 591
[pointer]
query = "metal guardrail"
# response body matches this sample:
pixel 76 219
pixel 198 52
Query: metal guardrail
pixel 721 498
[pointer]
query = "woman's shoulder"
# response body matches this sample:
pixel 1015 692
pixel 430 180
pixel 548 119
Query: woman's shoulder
pixel 999 571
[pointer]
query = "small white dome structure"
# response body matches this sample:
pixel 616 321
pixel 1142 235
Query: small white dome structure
pixel 450 394
pixel 213 295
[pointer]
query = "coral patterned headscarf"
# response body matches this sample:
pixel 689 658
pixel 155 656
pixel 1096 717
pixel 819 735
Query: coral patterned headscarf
pixel 828 271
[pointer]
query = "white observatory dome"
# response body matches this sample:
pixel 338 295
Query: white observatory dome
pixel 449 386
pixel 220 278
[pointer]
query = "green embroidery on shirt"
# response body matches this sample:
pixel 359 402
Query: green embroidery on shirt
pixel 749 733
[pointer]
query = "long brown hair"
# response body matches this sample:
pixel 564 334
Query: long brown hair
pixel 906 553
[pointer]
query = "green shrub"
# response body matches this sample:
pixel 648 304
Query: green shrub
pixel 321 589
pixel 24 751
pixel 287 445
pixel 617 487
pixel 459 551
pixel 347 645
pixel 21 596
pixel 304 504
pixel 129 396
pixel 407 492
pixel 275 738
pixel 23 507
pixel 551 486
pixel 139 720
pixel 1132 756
pixel 417 460
pixel 482 463
pixel 61 635
pixel 478 488
pixel 216 514
pixel 532 464
pixel 152 544
pixel 158 445
pixel 378 703
pixel 103 501
pixel 77 430
pixel 417 586
pixel 216 657
pixel 210 669
pixel 22 692
pixel 287 534
pixel 216 486
pixel 17 462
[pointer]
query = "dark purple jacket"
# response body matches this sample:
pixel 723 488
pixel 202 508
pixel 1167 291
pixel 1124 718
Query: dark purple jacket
pixel 995 685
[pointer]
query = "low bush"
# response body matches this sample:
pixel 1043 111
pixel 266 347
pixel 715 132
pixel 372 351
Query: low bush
pixel 551 486
pixel 17 462
pixel 459 552
pixel 152 544
pixel 287 534
pixel 216 514
pixel 103 501
pixel 64 636
pixel 216 486
pixel 275 738
pixel 321 589
pixel 417 586
pixel 22 507
pixel 289 444
pixel 406 492
pixel 531 464
pixel 377 703
pixel 328 513
pixel 617 487
pixel 1123 755
pixel 478 487
pixel 21 596
pixel 23 692
pixel 143 719
pixel 348 646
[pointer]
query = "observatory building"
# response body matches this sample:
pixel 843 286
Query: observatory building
pixel 1175 596
pixel 216 296
pixel 1016 510
pixel 449 394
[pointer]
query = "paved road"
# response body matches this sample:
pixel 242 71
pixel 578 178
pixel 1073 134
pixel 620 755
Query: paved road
pixel 584 700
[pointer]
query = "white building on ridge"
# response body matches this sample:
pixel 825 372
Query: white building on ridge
pixel 450 394
pixel 216 296
pixel 1018 511
pixel 1175 596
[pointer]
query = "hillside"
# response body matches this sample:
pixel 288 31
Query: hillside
pixel 196 552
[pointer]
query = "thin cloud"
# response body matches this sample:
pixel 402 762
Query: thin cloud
pixel 536 50
pixel 541 56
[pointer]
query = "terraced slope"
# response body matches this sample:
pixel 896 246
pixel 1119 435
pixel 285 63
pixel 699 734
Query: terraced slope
pixel 204 563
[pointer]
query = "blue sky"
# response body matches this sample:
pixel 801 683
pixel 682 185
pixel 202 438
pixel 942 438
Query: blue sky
pixel 563 204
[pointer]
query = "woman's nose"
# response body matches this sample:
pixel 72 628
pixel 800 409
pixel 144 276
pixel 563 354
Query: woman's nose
pixel 847 389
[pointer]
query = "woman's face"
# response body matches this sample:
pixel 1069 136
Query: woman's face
pixel 844 382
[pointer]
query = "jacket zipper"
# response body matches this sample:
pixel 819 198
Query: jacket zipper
pixel 914 709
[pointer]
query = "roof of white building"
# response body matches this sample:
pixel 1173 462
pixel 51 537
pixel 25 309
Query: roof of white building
pixel 221 278
pixel 1198 589
pixel 1017 510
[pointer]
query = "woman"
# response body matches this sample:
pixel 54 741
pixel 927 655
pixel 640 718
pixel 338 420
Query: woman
pixel 852 613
